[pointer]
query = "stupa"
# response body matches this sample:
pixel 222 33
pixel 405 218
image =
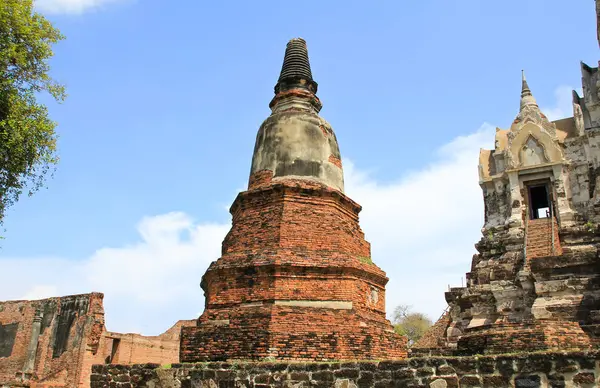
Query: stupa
pixel 295 280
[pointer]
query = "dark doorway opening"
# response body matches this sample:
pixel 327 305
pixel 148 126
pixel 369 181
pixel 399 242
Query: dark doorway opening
pixel 114 350
pixel 539 202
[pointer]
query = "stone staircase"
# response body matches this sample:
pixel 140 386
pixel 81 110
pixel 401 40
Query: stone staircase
pixel 539 238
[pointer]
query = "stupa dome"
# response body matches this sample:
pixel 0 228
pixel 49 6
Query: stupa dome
pixel 294 142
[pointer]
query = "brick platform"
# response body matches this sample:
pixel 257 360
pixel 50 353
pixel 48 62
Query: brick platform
pixel 295 282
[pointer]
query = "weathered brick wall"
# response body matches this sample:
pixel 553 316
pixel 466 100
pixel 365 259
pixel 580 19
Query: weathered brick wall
pixel 433 342
pixel 286 214
pixel 132 348
pixel 68 338
pixel 525 370
pixel 60 332
pixel 259 179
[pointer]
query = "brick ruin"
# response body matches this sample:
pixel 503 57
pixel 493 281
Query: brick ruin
pixel 535 282
pixel 295 280
pixel 54 342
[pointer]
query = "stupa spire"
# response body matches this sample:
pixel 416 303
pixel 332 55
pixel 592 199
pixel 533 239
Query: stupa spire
pixel 526 95
pixel 529 110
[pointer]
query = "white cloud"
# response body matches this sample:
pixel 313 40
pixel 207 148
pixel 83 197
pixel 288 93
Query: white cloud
pixel 147 286
pixel 423 226
pixel 564 103
pixel 41 291
pixel 70 6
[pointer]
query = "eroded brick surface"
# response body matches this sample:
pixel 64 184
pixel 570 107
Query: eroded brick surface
pixel 295 281
pixel 524 336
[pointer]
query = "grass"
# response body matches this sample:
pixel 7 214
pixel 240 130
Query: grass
pixel 365 259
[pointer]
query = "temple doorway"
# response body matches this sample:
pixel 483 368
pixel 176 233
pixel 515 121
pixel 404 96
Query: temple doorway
pixel 539 201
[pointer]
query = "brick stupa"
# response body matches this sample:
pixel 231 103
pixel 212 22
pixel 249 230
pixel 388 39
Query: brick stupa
pixel 295 280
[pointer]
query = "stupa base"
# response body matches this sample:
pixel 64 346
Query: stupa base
pixel 280 331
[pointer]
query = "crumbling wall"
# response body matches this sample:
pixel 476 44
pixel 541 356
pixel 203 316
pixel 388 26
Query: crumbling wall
pixel 523 370
pixel 134 348
pixel 578 173
pixel 497 203
pixel 434 340
pixel 46 340
pixel 54 342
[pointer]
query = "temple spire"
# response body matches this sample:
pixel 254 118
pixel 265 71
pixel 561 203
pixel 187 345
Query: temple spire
pixel 295 71
pixel 530 111
pixel 525 88
pixel 526 96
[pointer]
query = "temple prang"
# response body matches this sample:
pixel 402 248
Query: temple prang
pixel 295 280
pixel 534 284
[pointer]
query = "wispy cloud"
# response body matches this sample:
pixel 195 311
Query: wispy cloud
pixel 147 285
pixel 71 6
pixel 564 103
pixel 423 226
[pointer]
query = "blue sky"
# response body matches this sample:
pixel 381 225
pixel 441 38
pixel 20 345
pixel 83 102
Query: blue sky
pixel 157 134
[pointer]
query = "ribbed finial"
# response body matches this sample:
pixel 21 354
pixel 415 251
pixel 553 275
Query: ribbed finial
pixel 295 72
pixel 525 91
pixel 295 62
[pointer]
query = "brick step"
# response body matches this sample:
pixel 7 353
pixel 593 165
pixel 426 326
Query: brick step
pixel 539 238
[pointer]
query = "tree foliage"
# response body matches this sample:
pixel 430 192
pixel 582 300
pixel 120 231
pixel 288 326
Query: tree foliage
pixel 27 135
pixel 411 324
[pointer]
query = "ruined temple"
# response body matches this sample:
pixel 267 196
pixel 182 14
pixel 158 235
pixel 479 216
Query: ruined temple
pixel 54 342
pixel 535 282
pixel 295 279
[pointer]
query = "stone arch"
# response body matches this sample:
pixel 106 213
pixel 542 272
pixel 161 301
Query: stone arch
pixel 546 149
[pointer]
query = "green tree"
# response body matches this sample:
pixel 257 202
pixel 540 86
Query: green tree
pixel 27 135
pixel 411 324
